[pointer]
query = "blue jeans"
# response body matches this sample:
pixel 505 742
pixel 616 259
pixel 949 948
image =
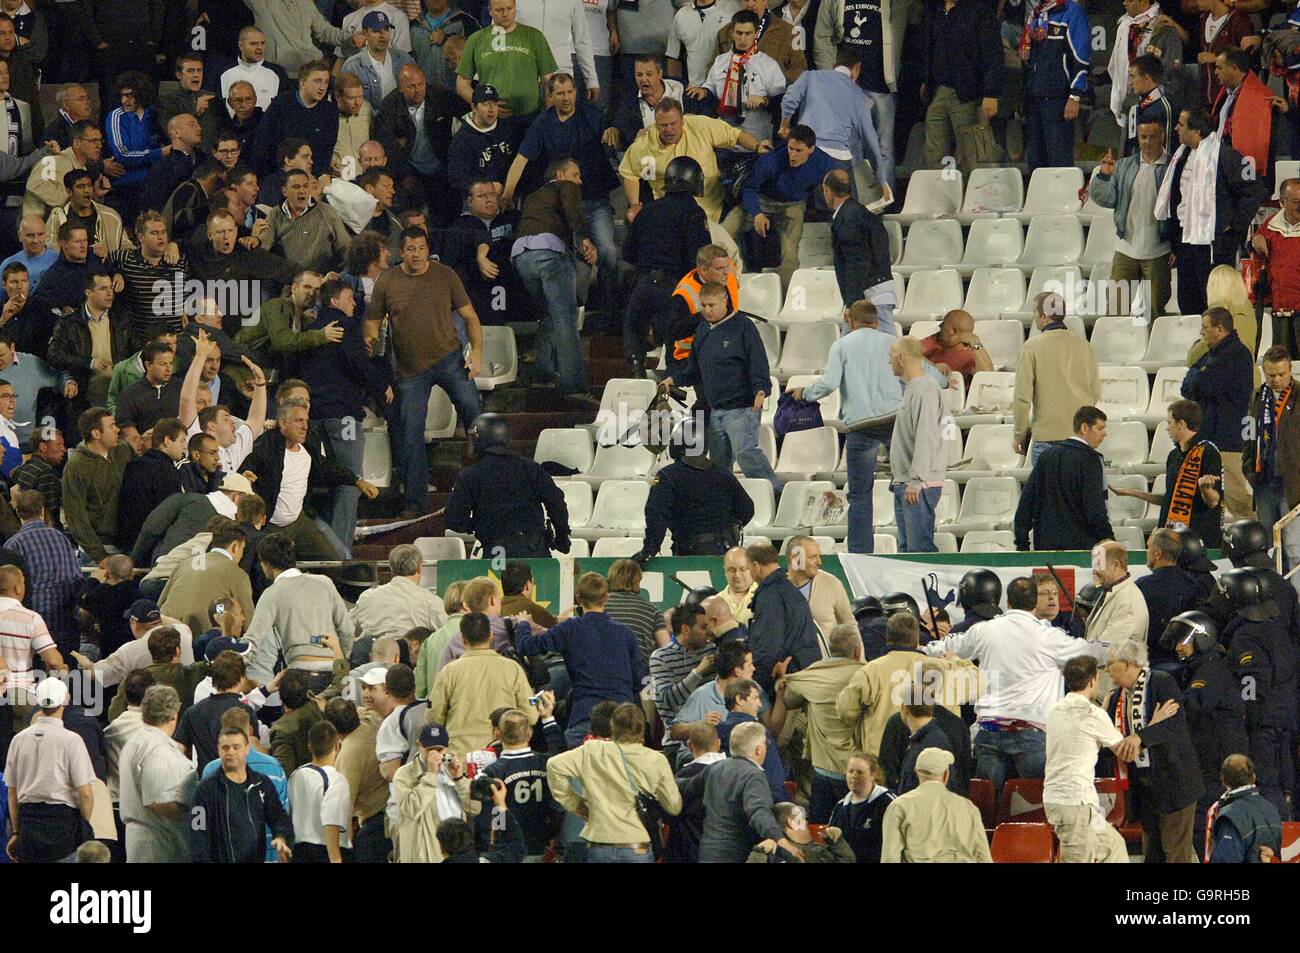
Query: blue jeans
pixel 733 436
pixel 348 444
pixel 885 315
pixel 1040 447
pixel 551 279
pixel 600 224
pixel 1270 506
pixel 1050 136
pixel 1003 754
pixel 916 520
pixel 882 106
pixel 413 399
pixel 617 854
pixel 861 453
pixel 826 792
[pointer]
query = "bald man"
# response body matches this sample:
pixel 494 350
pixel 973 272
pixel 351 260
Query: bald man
pixel 956 346
pixel 1122 612
pixel 722 624
pixel 34 255
pixel 177 166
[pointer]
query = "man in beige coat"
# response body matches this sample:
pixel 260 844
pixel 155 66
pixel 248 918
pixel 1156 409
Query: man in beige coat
pixel 1122 612
pixel 468 689
pixel 1056 374
pixel 825 593
pixel 211 575
pixel 930 824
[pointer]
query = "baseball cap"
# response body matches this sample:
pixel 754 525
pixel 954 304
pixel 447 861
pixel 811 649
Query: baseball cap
pixel 485 93
pixel 434 736
pixel 51 693
pixel 224 643
pixel 142 610
pixel 934 761
pixel 376 20
pixel 375 676
pixel 236 483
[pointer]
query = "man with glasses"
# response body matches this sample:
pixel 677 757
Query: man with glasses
pixel 11 454
pixel 238 117
pixel 227 149
pixel 73 103
pixel 131 134
pixel 25 375
pixel 45 183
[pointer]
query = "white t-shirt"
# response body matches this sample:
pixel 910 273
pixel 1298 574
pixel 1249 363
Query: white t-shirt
pixel 1076 731
pixel 384 70
pixel 597 26
pixel 293 486
pixel 265 83
pixel 695 34
pixel 235 454
pixel 316 806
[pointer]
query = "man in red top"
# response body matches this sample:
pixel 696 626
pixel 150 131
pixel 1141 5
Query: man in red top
pixel 1279 241
pixel 956 346
pixel 1243 109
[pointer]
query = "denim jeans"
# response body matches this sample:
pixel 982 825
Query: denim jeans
pixel 1040 447
pixel 733 437
pixel 551 280
pixel 600 223
pixel 861 453
pixel 413 397
pixel 882 106
pixel 347 443
pixel 1050 135
pixel 826 792
pixel 618 854
pixel 1003 754
pixel 916 520
pixel 1270 505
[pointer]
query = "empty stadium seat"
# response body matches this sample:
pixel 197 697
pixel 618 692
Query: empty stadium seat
pixel 760 293
pixel 760 491
pixel 770 335
pixel 621 402
pixel 578 549
pixel 923 329
pixel 1124 391
pixel 830 404
pixel 616 547
pixel 377 454
pixel 882 504
pixel 931 244
pixel 1022 801
pixel 991 193
pixel 931 193
pixel 994 291
pixel 500 358
pixel 1052 240
pixel 619 510
pixel 1117 340
pixel 570 446
pixel 1172 336
pixel 987 504
pixel 945 542
pixel 989 399
pixel 807 452
pixel 804 351
pixel 988 448
pixel 579 498
pixel 1018 843
pixel 992 242
pixel 1063 279
pixel 1166 389
pixel 988 541
pixel 439 548
pixel 1131 537
pixel 1154 464
pixel 1073 323
pixel 770 398
pixel 1002 339
pixel 799 507
pixel 813 295
pixel 1124 510
pixel 1052 191
pixel 440 423
pixel 895 233
pixel 1125 444
pixel 1100 246
pixel 619 463
pixel 931 293
pixel 884 544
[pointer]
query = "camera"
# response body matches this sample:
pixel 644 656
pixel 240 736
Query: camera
pixel 448 758
pixel 535 699
pixel 317 640
pixel 480 789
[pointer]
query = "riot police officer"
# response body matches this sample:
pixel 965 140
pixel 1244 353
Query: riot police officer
pixel 506 500
pixel 1246 543
pixel 979 594
pixel 661 242
pixel 1216 714
pixel 704 505
pixel 872 629
pixel 1262 657
pixel 1085 600
pixel 1195 563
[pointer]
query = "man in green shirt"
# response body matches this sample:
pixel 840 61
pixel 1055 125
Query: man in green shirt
pixel 514 58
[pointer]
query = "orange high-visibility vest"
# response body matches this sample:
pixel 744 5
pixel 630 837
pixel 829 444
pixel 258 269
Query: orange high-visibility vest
pixel 688 289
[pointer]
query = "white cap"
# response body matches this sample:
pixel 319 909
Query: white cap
pixel 51 693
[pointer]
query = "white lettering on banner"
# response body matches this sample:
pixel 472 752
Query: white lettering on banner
pixel 95 907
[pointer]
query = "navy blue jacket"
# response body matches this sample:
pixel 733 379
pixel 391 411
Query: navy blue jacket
pixel 1058 64
pixel 578 137
pixel 1168 591
pixel 1222 381
pixel 728 363
pixel 601 654
pixel 1064 500
pixel 286 118
pixel 341 376
pixel 782 627
pixel 474 153
pixel 772 766
pixel 970 31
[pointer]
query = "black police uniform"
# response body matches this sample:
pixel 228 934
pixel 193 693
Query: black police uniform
pixel 704 506
pixel 661 243
pixel 1216 719
pixel 1263 658
pixel 1168 591
pixel 974 616
pixel 500 499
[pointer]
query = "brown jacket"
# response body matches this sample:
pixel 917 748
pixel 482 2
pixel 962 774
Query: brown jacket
pixel 777 42
pixel 1288 447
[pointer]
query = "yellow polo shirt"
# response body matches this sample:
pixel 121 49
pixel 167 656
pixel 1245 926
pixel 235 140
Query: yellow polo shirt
pixel 647 158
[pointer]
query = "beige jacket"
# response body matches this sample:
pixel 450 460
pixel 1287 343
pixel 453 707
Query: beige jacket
pixel 415 788
pixel 470 688
pixel 828 741
pixel 45 183
pixel 1055 376
pixel 931 825
pixel 602 768
pixel 108 228
pixel 354 132
pixel 829 603
pixel 875 693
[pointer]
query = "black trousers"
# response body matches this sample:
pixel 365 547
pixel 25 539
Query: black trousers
pixel 1286 331
pixel 1270 750
pixel 652 294
pixel 1194 263
pixel 49 832
pixel 371 845
pixel 305 853
pixel 518 546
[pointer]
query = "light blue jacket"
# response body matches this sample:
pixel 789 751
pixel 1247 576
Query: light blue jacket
pixel 858 366
pixel 833 106
pixel 1113 191
pixel 358 64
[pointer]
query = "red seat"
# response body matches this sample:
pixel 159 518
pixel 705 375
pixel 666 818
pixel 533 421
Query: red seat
pixel 1290 842
pixel 1117 816
pixel 818 832
pixel 981 793
pixel 1023 844
pixel 1022 802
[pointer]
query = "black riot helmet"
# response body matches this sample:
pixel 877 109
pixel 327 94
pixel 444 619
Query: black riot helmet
pixel 684 175
pixel 1085 600
pixel 696 597
pixel 1198 626
pixel 1246 594
pixel 1193 558
pixel 866 608
pixel 979 587
pixel 896 602
pixel 687 443
pixel 1244 539
pixel 489 433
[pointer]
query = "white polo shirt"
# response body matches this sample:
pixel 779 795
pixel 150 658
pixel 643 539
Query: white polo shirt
pixel 1076 730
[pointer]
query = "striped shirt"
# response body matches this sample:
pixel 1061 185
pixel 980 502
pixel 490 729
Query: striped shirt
pixel 37 474
pixel 22 635
pixel 637 614
pixel 673 677
pixel 150 310
pixel 54 578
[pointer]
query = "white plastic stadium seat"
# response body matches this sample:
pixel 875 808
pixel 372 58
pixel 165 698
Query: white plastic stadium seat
pixel 813 295
pixel 1166 389
pixel 1052 240
pixel 992 241
pixel 570 446
pixel 441 420
pixel 618 462
pixel 931 293
pixel 931 193
pixel 1073 323
pixel 895 233
pixel 1117 340
pixel 622 402
pixel 804 350
pixel 1053 191
pixel 989 450
pixel 994 291
pixel 1172 336
pixel 992 192
pixel 619 509
pixel 798 506
pixel 770 335
pixel 760 491
pixel 760 293
pixel 617 547
pixel 1124 510
pixel 989 399
pixel 882 504
pixel 1124 391
pixel 1063 279
pixel 807 452
pixel 949 506
pixel 1002 339
pixel 931 244
pixel 441 547
pixel 1101 241
pixel 377 454
pixel 1131 537
pixel 579 498
pixel 830 404
pixel 945 542
pixel 923 329
pixel 884 544
pixel 985 541
pixel 500 358
pixel 1125 444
